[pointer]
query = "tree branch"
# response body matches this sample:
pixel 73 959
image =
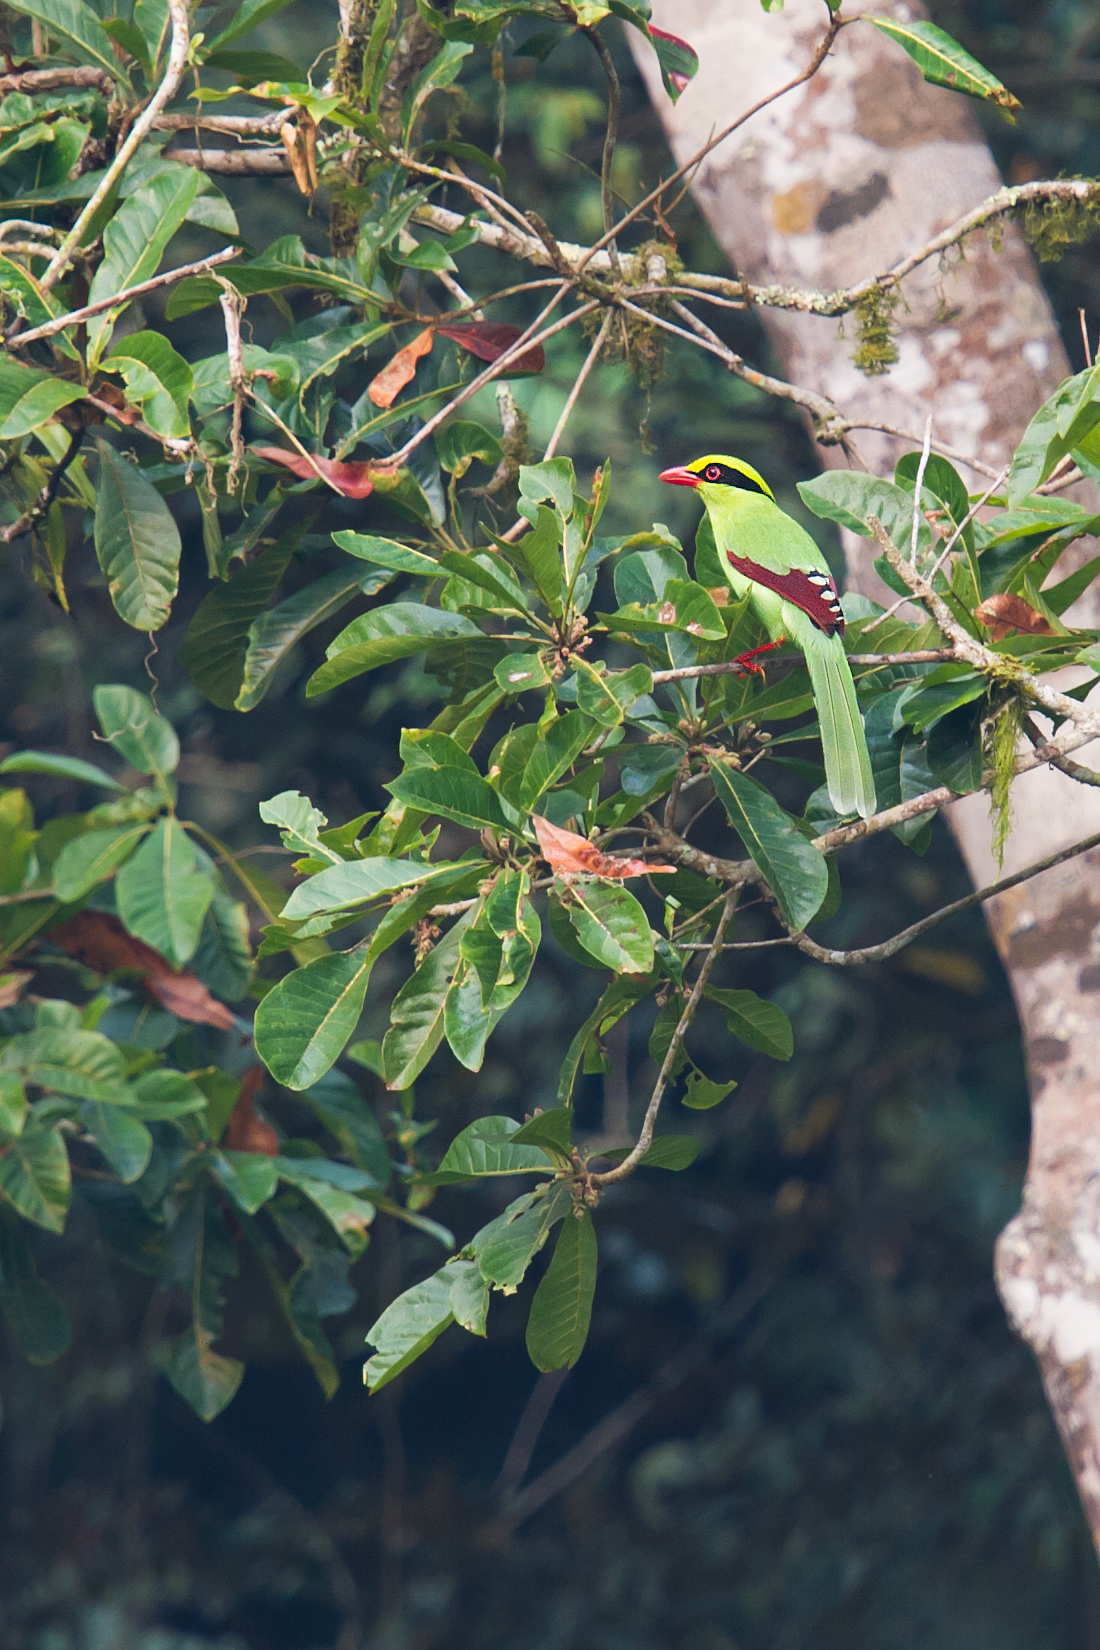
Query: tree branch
pixel 730 667
pixel 60 322
pixel 236 163
pixel 139 131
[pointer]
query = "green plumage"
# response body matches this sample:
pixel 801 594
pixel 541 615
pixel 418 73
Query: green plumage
pixel 748 522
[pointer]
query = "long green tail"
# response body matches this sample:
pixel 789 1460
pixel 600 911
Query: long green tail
pixel 847 764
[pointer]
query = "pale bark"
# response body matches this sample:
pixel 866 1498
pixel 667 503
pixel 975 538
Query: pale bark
pixel 828 186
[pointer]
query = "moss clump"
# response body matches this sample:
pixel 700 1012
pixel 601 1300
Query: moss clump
pixel 877 349
pixel 1052 226
pixel 1002 732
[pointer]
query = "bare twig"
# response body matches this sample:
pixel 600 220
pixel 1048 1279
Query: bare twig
pixel 60 322
pixel 729 667
pixel 611 134
pixel 574 394
pixel 139 131
pixel 238 163
pixel 926 453
pixel 645 1137
pixel 233 306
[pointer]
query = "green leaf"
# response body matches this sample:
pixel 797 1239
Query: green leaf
pixel 82 1064
pixel 355 882
pixel 162 895
pixel 86 860
pixel 408 1327
pixel 451 792
pixel 795 871
pixel 943 62
pixel 683 607
pixel 35 1315
pixel 248 68
pixel 416 1017
pixel 250 1178
pixel 35 305
pixel 444 68
pixel 552 1130
pixel 539 552
pixel 34 1176
pixel 755 1021
pixel 607 698
pixel 507 1246
pixel 134 242
pixel 137 542
pixel 30 397
pixel 300 825
pixel 337 1100
pixel 249 14
pixel 303 1024
pixel 469 1295
pixel 272 635
pixel 160 1096
pixel 13 1103
pixel 396 631
pixel 486 1148
pixel 138 733
pixel 157 379
pixel 124 1141
pixel 557 748
pixel 701 1093
pixel 77 25
pixel 461 441
pixel 611 926
pixel 387 553
pixel 1064 420
pixel 518 672
pixel 851 498
pixel 562 1308
pixel 668 1151
pixel 65 767
pixel 201 1258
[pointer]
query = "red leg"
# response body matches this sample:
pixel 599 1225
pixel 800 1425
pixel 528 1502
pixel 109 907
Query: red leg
pixel 745 660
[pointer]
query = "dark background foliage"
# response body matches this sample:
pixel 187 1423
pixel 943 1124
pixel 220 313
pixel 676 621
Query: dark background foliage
pixel 857 1452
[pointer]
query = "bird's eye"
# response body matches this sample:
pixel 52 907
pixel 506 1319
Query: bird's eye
pixel 713 472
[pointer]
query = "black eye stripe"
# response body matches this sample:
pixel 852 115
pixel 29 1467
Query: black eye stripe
pixel 725 475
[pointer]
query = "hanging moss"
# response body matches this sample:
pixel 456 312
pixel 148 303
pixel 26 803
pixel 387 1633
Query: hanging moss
pixel 1052 226
pixel 1002 739
pixel 877 349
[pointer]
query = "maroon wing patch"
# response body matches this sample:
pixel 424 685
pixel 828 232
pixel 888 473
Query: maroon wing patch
pixel 814 592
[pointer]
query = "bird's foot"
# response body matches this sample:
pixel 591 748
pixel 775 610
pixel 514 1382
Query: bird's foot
pixel 746 661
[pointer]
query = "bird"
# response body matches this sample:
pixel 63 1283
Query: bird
pixel 767 556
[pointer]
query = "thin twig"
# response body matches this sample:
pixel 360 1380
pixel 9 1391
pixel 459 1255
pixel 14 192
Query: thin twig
pixel 574 394
pixel 926 452
pixel 60 322
pixel 139 131
pixel 645 1137
pixel 233 306
pixel 611 134
pixel 919 656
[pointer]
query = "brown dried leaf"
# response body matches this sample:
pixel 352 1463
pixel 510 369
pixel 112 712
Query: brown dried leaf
pixel 488 340
pixel 353 480
pixel 570 855
pixel 1004 612
pixel 99 941
pixel 246 1130
pixel 11 987
pixel 399 371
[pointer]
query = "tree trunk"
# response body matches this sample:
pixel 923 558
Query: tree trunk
pixel 832 184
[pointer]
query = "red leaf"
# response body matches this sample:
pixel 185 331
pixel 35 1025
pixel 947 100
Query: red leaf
pixel 353 480
pixel 488 340
pixel 99 941
pixel 246 1130
pixel 1003 613
pixel 570 855
pixel 400 370
pixel 679 61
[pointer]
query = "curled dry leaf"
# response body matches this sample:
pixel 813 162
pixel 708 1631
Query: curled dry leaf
pixel 352 480
pixel 120 407
pixel 99 941
pixel 399 371
pixel 1003 613
pixel 300 143
pixel 246 1130
pixel 570 855
pixel 488 340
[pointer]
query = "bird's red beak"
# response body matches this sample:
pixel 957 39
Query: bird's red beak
pixel 679 477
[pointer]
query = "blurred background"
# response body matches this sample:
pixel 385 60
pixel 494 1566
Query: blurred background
pixel 801 1419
